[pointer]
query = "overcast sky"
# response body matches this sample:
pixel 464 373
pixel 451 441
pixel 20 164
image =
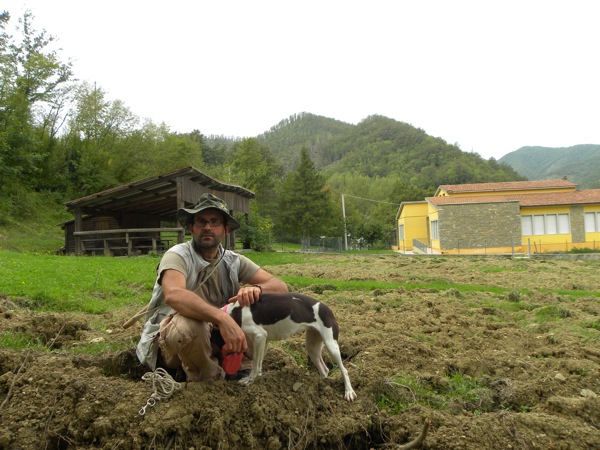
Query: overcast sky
pixel 490 76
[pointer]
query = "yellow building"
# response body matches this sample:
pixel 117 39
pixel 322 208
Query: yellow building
pixel 500 218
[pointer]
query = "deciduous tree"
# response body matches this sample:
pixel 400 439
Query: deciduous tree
pixel 31 80
pixel 252 166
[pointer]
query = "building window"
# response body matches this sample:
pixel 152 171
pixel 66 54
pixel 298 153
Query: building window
pixel 435 232
pixel 539 224
pixel 592 222
pixel 401 232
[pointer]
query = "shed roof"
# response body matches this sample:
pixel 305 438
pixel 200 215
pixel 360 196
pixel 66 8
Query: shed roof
pixel 506 186
pixel 588 196
pixel 155 195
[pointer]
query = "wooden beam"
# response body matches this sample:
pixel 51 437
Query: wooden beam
pixel 125 230
pixel 78 227
pixel 180 204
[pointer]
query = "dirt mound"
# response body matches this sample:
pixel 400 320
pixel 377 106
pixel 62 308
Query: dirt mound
pixel 484 366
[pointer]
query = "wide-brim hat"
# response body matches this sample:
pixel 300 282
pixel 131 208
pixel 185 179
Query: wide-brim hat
pixel 185 216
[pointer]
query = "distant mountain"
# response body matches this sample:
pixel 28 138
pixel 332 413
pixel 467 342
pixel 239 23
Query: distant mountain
pixel 303 130
pixel 380 147
pixel 579 164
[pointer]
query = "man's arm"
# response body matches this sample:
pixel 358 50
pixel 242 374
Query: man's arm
pixel 191 305
pixel 262 281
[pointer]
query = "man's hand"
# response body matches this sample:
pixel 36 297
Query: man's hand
pixel 234 337
pixel 247 295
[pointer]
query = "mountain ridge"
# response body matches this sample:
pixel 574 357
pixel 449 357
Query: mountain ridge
pixel 379 146
pixel 577 163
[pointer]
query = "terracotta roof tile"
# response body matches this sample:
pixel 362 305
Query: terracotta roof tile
pixel 588 196
pixel 507 186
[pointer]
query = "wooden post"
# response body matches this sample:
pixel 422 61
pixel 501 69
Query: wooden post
pixel 78 226
pixel 180 204
pixel 231 236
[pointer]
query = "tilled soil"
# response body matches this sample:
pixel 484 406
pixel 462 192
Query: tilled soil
pixel 513 361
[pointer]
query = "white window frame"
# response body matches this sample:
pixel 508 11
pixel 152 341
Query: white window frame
pixel 538 224
pixel 526 225
pixel 564 223
pixel 435 230
pixel 551 224
pixel 592 222
pixel 541 224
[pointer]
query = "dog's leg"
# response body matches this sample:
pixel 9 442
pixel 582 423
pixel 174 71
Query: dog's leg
pixel 265 345
pixel 314 347
pixel 334 349
pixel 258 336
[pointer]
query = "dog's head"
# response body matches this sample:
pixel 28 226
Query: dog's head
pixel 229 307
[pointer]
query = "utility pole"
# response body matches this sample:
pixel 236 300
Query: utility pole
pixel 344 215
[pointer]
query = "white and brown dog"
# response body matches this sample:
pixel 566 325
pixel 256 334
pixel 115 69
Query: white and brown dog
pixel 278 316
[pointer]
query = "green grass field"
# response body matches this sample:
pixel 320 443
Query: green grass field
pixel 48 282
pixel 107 290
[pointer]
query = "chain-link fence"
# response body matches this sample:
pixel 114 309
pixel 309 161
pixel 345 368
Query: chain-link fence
pixel 322 245
pixel 536 246
pixel 530 247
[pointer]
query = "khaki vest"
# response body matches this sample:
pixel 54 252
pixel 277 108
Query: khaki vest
pixel 147 348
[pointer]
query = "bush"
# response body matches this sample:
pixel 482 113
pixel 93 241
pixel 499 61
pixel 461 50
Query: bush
pixel 256 232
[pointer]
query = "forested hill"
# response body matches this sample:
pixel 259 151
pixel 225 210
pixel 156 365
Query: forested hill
pixel 61 139
pixel 579 164
pixel 380 147
pixel 302 130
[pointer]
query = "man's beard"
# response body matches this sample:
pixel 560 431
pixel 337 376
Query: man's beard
pixel 200 243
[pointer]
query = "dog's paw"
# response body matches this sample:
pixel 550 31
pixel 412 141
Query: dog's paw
pixel 246 381
pixel 350 395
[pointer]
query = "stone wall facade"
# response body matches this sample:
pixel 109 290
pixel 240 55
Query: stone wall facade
pixel 577 223
pixel 479 225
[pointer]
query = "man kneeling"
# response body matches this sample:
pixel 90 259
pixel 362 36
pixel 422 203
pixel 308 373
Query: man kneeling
pixel 185 326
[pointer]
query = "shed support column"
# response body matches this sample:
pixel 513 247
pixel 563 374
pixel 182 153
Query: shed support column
pixel 231 236
pixel 78 226
pixel 180 204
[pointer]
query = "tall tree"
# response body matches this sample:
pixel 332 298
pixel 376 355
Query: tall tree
pixel 214 151
pixel 97 133
pixel 306 207
pixel 31 78
pixel 252 166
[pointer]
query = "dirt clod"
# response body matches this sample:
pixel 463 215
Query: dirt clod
pixel 479 365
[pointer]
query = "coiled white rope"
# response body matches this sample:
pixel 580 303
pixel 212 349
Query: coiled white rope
pixel 163 387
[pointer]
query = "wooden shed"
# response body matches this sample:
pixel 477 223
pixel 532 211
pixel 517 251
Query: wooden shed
pixel 139 217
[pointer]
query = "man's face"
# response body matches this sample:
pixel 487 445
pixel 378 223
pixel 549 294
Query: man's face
pixel 208 229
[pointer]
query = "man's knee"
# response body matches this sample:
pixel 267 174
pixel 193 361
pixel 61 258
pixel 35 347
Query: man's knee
pixel 177 332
